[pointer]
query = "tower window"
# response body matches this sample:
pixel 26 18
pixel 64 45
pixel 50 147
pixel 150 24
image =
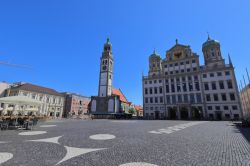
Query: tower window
pixel 227 73
pixel 229 84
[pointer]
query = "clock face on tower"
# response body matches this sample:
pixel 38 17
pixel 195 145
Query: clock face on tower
pixel 104 67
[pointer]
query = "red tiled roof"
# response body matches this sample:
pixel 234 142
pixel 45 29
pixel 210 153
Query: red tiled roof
pixel 138 108
pixel 118 92
pixel 38 89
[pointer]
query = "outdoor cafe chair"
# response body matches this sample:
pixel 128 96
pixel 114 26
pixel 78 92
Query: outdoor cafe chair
pixel 4 125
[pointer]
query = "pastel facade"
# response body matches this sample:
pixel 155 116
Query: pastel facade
pixel 75 105
pixel 53 101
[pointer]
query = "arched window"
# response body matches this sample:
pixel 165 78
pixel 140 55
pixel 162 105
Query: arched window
pixel 93 106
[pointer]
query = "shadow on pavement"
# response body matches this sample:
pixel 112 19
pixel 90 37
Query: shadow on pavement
pixel 245 131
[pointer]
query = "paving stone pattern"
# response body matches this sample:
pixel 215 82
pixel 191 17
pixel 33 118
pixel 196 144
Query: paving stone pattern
pixel 68 142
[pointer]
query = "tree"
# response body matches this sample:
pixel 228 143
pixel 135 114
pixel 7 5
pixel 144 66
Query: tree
pixel 131 111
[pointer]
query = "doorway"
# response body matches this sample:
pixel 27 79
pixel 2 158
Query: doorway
pixel 172 113
pixel 184 113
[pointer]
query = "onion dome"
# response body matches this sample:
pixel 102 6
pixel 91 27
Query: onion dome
pixel 210 42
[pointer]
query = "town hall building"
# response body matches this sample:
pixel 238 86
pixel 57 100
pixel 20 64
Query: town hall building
pixel 178 87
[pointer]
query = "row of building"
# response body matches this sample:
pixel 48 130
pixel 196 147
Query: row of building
pixel 56 104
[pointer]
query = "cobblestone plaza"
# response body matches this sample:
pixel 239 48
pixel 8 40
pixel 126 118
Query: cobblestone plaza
pixel 126 143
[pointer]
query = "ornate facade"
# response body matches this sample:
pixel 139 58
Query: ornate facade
pixel 178 87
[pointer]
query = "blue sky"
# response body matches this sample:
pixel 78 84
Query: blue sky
pixel 63 39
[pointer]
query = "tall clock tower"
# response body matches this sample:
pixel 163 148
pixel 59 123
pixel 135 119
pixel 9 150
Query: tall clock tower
pixel 106 71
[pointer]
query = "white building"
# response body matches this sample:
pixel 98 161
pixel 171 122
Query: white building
pixel 53 102
pixel 178 87
pixel 105 104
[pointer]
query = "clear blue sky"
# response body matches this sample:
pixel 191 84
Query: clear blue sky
pixel 63 39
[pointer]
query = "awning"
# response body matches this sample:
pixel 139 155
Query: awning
pixel 19 100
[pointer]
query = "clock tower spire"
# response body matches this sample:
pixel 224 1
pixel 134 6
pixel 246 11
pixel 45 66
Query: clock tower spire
pixel 106 71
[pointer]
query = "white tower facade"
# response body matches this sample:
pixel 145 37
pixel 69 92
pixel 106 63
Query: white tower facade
pixel 106 71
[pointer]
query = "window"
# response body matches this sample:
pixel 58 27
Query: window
pixel 204 76
pixel 146 91
pixel 185 98
pixel 150 91
pixel 227 73
pixel 178 87
pixel 179 98
pixel 150 82
pixel 182 70
pixel 165 66
pixel 211 74
pixel 168 99
pixel 194 69
pixel 160 90
pixel 225 107
pixel 219 74
pixel 181 63
pixel 155 90
pixel 213 86
pixel 167 88
pixel 236 116
pixel 151 99
pixel 229 84
pixel 171 72
pixel 208 97
pixel 224 97
pixel 232 96
pixel 188 70
pixel 146 100
pixel 176 64
pixel 187 62
pixel 156 99
pixel 234 107
pixel 197 86
pixel 155 81
pixel 206 86
pixel 216 98
pixel 198 97
pixel 176 71
pixel 171 65
pixel 173 99
pixel 221 84
pixel 192 100
pixel 209 107
pixel 172 87
pixel 193 61
pixel 146 82
pixel 184 87
pixel 217 108
pixel 160 81
pixel 190 85
pixel 161 99
pixel 166 73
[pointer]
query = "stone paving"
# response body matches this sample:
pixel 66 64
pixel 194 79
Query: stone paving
pixel 126 143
